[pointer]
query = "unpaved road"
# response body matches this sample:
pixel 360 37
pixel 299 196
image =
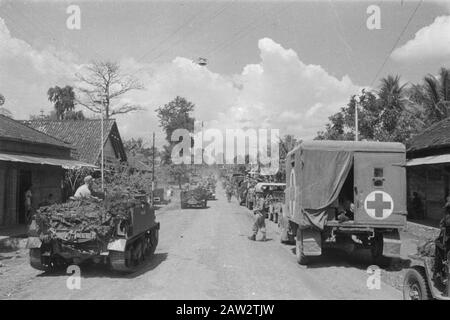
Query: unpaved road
pixel 205 254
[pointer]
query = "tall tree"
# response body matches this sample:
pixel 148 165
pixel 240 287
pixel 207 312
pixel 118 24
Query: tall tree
pixel 436 95
pixel 175 115
pixel 341 125
pixel 102 86
pixel 63 100
pixel 392 103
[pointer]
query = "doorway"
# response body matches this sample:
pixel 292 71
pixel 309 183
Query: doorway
pixel 24 183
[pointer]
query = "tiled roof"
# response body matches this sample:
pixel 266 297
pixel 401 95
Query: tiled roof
pixel 14 130
pixel 84 135
pixel 438 135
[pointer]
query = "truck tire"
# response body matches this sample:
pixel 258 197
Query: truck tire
pixel 377 252
pixel 415 285
pixel 300 255
pixel 284 238
pixel 36 260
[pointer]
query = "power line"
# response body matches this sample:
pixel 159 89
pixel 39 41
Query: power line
pixel 174 33
pixel 242 32
pixel 186 36
pixel 396 43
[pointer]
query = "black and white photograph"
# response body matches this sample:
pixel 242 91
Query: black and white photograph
pixel 226 155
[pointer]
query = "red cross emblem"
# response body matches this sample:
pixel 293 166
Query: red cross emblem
pixel 379 205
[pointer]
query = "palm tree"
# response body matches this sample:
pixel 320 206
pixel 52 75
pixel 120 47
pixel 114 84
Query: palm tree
pixel 63 100
pixel 437 95
pixel 391 93
pixel 392 101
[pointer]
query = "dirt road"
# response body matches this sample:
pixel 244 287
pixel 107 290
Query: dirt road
pixel 204 254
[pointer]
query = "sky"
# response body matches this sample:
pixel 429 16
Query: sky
pixel 286 65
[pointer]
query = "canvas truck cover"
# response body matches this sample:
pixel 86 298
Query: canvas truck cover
pixel 315 174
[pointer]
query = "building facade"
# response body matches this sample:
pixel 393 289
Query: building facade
pixel 428 172
pixel 29 160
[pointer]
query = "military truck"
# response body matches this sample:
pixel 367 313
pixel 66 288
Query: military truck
pixel 347 195
pixel 194 196
pixel 427 279
pixel 59 235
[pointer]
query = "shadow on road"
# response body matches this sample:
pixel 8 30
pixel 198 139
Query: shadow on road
pixel 360 259
pixel 90 270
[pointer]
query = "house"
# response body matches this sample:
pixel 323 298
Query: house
pixel 428 170
pixel 85 137
pixel 29 158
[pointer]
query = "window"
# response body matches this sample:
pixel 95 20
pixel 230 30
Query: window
pixel 378 177
pixel 378 172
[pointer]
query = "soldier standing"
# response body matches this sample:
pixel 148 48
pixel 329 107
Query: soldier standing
pixel 260 221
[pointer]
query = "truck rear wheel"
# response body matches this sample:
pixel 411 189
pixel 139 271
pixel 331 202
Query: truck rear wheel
pixel 377 252
pixel 36 260
pixel 415 286
pixel 299 253
pixel 153 242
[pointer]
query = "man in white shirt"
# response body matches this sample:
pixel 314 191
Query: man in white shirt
pixel 84 191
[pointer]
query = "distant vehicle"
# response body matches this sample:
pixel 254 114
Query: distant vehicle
pixel 211 193
pixel 158 196
pixel 345 194
pixel 196 197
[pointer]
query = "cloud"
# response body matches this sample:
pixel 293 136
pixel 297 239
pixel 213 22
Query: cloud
pixel 27 73
pixel 430 42
pixel 279 91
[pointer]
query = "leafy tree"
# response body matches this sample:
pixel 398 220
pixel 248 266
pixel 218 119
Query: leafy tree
pixel 68 115
pixel 74 115
pixel 341 125
pixel 102 86
pixel 63 100
pixel 175 115
pixel 391 99
pixel 436 95
pixel 389 114
pixel 3 111
pixel 138 149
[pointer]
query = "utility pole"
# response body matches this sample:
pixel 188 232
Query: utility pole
pixel 356 120
pixel 102 103
pixel 153 167
pixel 202 145
pixel 103 155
